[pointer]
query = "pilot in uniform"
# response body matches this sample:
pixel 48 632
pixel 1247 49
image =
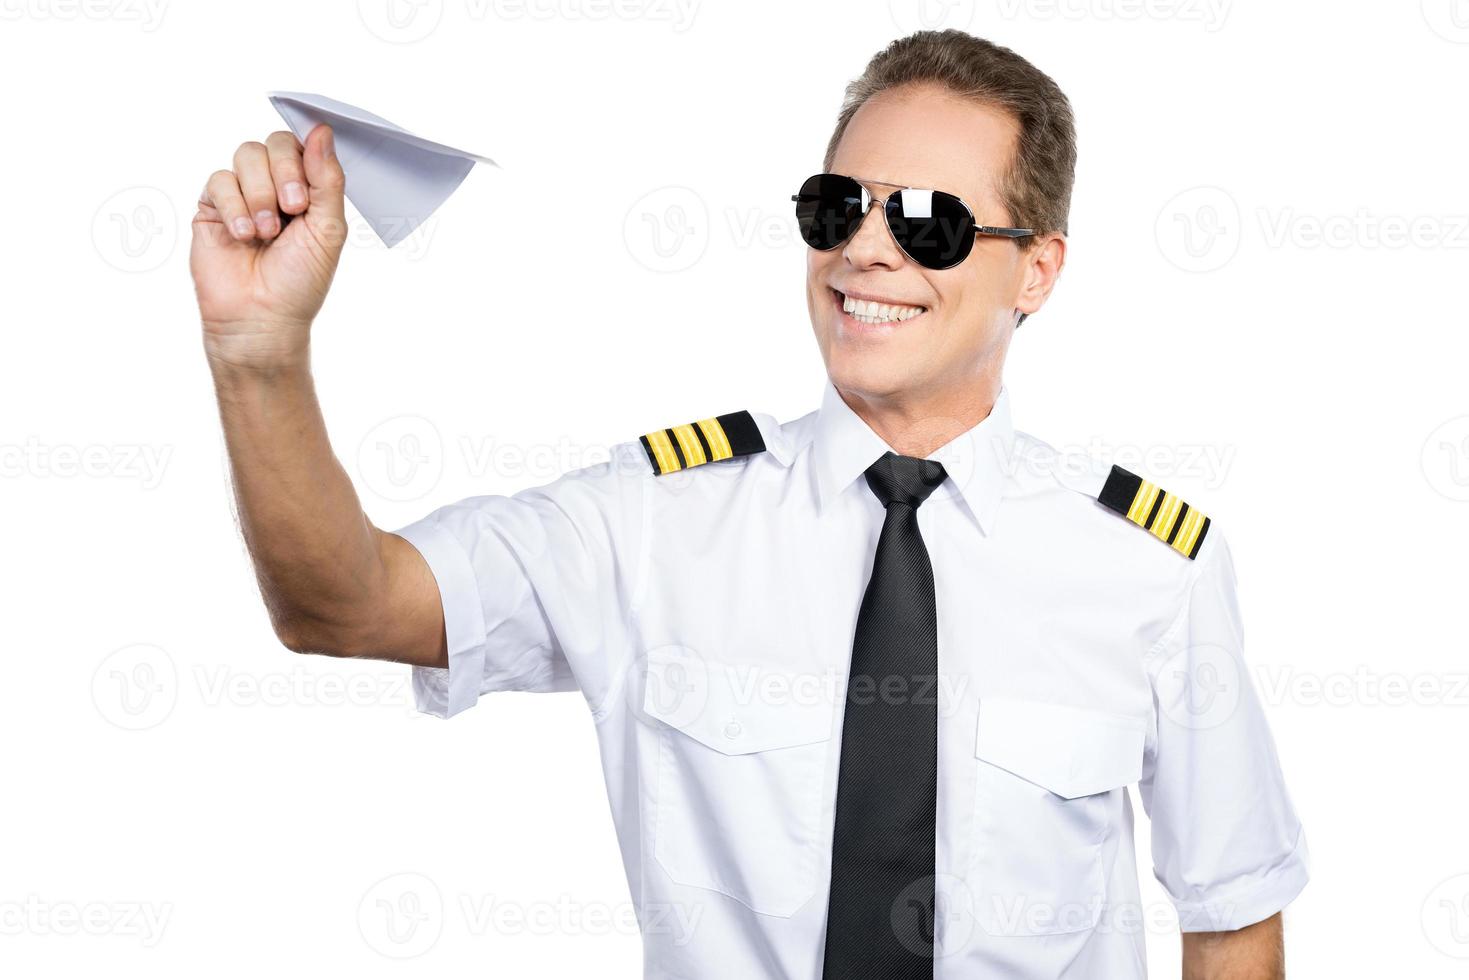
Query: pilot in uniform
pixel 857 709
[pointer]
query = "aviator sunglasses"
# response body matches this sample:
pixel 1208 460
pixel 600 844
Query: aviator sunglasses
pixel 933 228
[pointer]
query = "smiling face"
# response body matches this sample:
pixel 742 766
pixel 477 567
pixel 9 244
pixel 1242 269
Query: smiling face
pixel 953 349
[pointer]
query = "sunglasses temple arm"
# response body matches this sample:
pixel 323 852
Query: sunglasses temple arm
pixel 1003 232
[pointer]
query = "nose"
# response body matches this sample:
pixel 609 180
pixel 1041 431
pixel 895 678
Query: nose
pixel 871 246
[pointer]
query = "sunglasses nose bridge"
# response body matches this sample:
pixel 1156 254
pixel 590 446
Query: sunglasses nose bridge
pixel 858 247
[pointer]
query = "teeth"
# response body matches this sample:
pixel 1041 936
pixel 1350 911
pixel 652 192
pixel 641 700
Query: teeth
pixel 864 311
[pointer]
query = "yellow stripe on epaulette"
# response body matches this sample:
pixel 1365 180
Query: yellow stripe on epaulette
pixel 1149 506
pixel 705 441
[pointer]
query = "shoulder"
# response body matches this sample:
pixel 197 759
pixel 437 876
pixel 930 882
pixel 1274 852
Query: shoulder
pixel 664 457
pixel 714 439
pixel 1132 514
pixel 713 446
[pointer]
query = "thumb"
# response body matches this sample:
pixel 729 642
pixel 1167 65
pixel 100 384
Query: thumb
pixel 325 178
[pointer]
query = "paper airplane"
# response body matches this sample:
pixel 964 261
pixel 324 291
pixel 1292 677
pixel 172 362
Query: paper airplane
pixel 395 179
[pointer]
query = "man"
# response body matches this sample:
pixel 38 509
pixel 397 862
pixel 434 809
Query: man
pixel 869 686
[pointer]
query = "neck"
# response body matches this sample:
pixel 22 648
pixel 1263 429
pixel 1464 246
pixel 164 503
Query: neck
pixel 917 425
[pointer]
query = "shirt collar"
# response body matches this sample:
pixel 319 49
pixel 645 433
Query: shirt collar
pixel 843 446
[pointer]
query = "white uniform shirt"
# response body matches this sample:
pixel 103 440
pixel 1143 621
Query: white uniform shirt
pixel 707 617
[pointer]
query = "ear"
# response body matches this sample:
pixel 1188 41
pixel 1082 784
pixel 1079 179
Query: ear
pixel 1043 264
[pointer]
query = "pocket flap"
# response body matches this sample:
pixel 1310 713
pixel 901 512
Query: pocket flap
pixel 736 709
pixel 1070 751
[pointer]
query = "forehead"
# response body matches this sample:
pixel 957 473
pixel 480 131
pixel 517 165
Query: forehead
pixel 926 136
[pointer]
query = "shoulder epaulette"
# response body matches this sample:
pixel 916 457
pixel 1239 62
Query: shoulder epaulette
pixel 1151 507
pixel 705 441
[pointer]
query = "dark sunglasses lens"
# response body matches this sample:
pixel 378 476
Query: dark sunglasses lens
pixel 934 228
pixel 828 210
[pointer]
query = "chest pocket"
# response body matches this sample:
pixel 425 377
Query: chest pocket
pixel 741 775
pixel 1049 785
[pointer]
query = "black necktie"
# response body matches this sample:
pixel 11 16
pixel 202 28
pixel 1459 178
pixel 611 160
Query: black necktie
pixel 880 917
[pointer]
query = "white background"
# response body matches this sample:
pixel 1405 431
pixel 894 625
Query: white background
pixel 1263 310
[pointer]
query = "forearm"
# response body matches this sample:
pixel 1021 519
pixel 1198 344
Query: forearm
pixel 1256 952
pixel 318 558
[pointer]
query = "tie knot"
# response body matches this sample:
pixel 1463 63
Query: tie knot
pixel 903 479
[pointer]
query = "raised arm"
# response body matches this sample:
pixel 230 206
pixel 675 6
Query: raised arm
pixel 267 239
pixel 1256 952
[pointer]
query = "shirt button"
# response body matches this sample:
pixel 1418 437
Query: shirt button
pixel 733 730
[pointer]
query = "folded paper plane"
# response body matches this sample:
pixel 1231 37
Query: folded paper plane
pixel 395 179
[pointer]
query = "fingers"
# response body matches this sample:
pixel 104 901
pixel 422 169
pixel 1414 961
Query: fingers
pixel 252 169
pixel 325 177
pixel 287 171
pixel 208 224
pixel 275 178
pixel 223 194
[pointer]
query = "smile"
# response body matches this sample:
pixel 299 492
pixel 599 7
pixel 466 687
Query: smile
pixel 871 312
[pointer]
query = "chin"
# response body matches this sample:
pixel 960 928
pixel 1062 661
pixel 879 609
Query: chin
pixel 868 371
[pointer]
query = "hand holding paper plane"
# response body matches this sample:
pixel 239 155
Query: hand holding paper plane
pixel 394 178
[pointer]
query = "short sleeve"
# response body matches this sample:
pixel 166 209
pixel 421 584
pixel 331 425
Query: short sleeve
pixel 1227 845
pixel 536 587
